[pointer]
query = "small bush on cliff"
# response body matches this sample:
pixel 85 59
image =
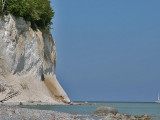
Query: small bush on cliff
pixel 38 12
pixel 0 7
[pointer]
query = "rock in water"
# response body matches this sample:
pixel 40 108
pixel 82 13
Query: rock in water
pixel 27 63
pixel 104 111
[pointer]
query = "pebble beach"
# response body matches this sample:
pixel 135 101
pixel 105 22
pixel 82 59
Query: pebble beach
pixel 15 112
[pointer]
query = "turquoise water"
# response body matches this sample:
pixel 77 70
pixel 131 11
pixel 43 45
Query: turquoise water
pixel 151 109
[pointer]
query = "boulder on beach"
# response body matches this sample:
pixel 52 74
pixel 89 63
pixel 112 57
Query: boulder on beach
pixel 104 111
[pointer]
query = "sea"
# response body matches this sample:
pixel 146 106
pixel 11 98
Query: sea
pixel 132 108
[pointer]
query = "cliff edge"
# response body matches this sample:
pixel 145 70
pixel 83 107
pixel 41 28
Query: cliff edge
pixel 27 63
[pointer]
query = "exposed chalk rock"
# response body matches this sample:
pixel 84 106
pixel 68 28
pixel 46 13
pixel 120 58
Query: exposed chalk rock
pixel 27 62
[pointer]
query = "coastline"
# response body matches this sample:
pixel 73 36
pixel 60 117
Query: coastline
pixel 18 111
pixel 12 112
pixel 15 112
pixel 32 103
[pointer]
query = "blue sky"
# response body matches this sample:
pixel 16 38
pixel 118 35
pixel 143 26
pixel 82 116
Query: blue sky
pixel 108 50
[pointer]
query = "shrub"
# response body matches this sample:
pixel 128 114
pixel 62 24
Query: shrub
pixel 38 12
pixel 0 7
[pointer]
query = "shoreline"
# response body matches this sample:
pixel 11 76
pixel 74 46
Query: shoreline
pixel 12 112
pixel 35 103
pixel 15 111
pixel 31 103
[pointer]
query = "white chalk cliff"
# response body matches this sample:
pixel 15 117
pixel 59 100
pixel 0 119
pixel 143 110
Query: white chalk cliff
pixel 27 63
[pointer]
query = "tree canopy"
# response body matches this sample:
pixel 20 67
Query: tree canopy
pixel 38 12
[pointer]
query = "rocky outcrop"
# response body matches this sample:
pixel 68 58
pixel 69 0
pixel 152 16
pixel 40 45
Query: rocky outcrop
pixel 27 63
pixel 112 114
pixel 103 111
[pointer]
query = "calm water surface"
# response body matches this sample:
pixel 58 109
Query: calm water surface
pixel 151 109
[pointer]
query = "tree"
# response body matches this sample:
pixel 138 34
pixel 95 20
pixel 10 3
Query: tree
pixel 3 4
pixel 38 12
pixel 0 6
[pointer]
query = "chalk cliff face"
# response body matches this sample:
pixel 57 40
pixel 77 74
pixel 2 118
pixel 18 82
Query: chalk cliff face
pixel 27 63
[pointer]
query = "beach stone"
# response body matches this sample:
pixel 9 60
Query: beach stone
pixel 16 111
pixel 24 113
pixel 136 116
pixel 132 117
pixel 109 118
pixel 124 117
pixel 37 114
pixel 51 119
pixel 118 115
pixel 10 113
pixel 3 112
pixel 104 111
pixel 33 118
pixel 111 115
pixel 62 119
pixel 85 119
pixel 144 116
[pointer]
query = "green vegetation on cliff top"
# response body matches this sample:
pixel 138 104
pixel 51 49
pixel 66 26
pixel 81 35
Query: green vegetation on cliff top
pixel 38 12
